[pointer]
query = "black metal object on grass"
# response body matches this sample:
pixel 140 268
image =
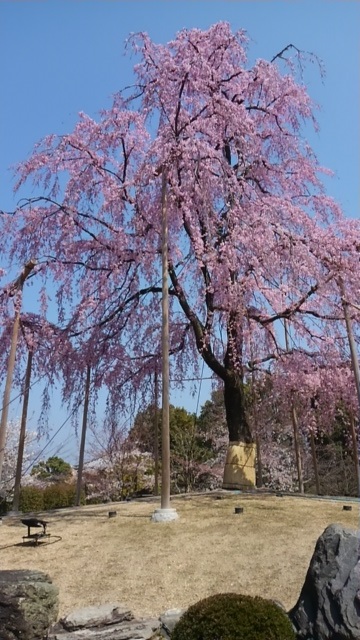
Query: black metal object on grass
pixel 35 523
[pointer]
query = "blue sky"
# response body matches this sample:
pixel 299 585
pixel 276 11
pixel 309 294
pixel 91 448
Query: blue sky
pixel 62 56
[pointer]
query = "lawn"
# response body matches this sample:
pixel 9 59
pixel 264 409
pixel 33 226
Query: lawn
pixel 152 567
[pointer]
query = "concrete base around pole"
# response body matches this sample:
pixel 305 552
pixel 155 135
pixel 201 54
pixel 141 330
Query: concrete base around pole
pixel 164 515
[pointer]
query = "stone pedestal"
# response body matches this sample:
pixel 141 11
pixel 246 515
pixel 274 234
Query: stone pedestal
pixel 164 515
pixel 239 472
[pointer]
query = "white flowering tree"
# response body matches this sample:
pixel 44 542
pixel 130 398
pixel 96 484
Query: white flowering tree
pixel 10 457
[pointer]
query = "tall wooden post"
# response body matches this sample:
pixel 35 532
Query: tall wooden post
pixel 356 370
pixel 297 447
pixel 83 437
pixel 165 436
pixel 314 458
pixel 16 499
pixel 156 433
pixel 7 391
pixel 295 424
pixel 351 340
pixel 355 448
pixel 16 287
pixel 259 469
pixel 165 513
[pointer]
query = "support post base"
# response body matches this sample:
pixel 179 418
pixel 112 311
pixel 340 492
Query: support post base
pixel 164 515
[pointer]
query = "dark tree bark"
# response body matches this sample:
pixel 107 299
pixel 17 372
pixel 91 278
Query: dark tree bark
pixel 234 401
pixel 234 398
pixel 230 370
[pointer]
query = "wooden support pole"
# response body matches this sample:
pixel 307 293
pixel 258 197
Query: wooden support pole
pixel 259 468
pixel 295 424
pixel 355 449
pixel 156 434
pixel 351 340
pixel 16 288
pixel 16 499
pixel 83 437
pixel 7 391
pixel 314 459
pixel 165 513
pixel 165 460
pixel 297 447
pixel 356 371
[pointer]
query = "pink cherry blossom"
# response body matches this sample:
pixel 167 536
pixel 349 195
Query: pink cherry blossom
pixel 254 238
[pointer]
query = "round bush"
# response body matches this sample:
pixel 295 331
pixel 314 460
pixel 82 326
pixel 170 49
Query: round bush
pixel 232 616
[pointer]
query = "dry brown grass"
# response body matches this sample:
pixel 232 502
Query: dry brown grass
pixel 153 567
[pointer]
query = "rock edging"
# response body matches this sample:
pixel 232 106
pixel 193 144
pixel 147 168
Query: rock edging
pixel 113 622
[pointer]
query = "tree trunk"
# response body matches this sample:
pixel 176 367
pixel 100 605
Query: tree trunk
pixel 18 476
pixel 259 468
pixel 239 471
pixel 316 469
pixel 239 430
pixel 7 391
pixel 295 424
pixel 354 441
pixel 255 427
pixel 156 436
pixel 83 437
pixel 297 448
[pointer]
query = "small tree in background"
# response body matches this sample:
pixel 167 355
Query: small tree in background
pixel 120 466
pixel 54 468
pixel 11 452
pixel 195 445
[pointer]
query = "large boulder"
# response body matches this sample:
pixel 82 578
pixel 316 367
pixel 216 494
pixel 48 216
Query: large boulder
pixel 329 603
pixel 28 605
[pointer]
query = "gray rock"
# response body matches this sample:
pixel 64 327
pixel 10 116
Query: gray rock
pixel 28 604
pixel 329 604
pixel 168 620
pixel 96 616
pixel 279 605
pixel 132 630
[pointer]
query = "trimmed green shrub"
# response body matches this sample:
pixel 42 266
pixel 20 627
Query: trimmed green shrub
pixel 31 499
pixel 54 496
pixel 94 500
pixel 5 506
pixel 60 496
pixel 233 616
